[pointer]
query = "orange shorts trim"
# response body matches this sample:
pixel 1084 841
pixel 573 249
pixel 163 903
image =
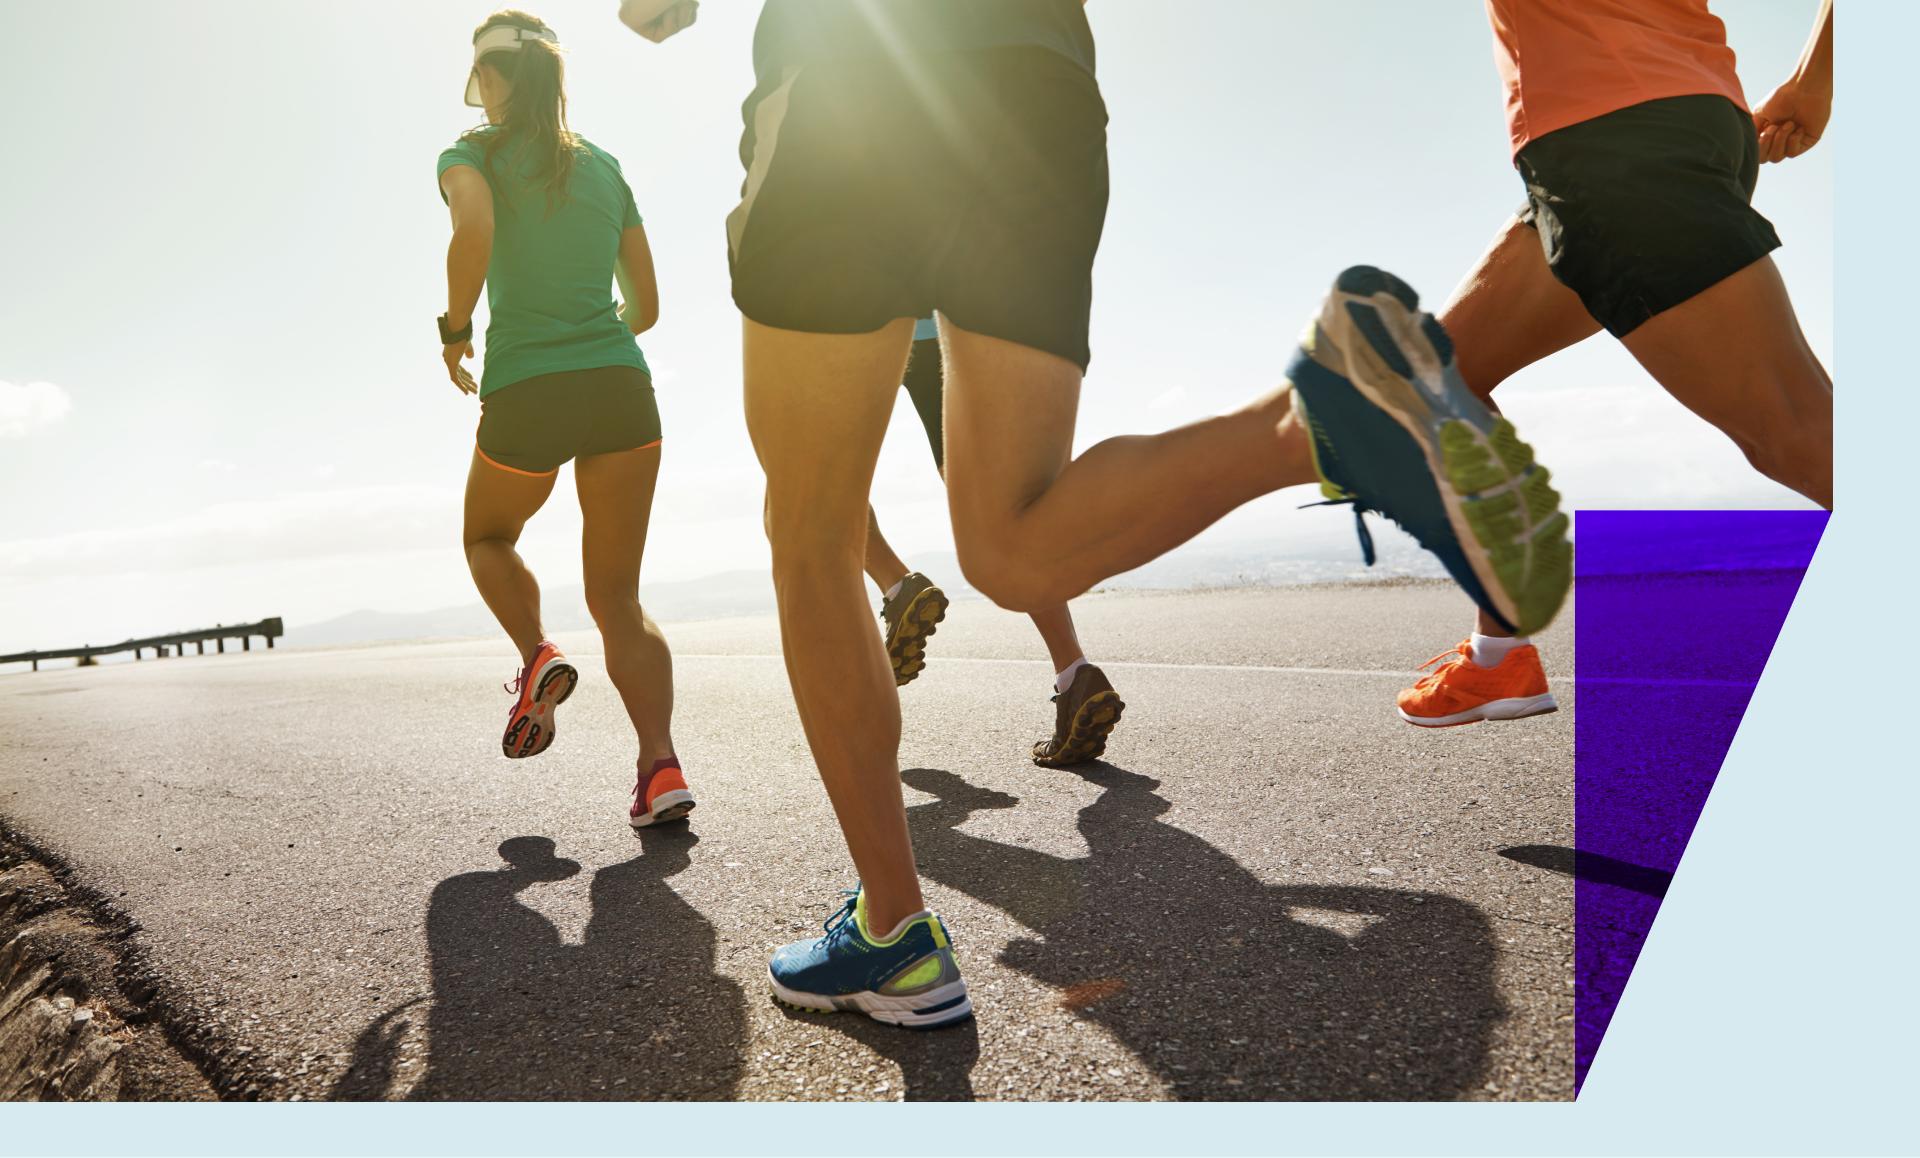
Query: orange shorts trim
pixel 514 469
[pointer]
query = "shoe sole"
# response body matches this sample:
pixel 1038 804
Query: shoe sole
pixel 1508 534
pixel 531 732
pixel 907 643
pixel 1087 734
pixel 935 1009
pixel 1518 708
pixel 670 806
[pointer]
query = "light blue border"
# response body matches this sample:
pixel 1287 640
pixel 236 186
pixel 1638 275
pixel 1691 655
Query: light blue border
pixel 1773 1009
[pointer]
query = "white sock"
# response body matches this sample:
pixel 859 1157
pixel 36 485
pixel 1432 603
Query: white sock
pixel 1062 680
pixel 1489 650
pixel 895 589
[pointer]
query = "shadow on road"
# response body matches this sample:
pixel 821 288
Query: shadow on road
pixel 636 1012
pixel 1227 987
pixel 1592 866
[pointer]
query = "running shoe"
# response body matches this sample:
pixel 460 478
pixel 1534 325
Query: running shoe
pixel 1084 716
pixel 911 616
pixel 910 979
pixel 1396 431
pixel 542 686
pixel 660 796
pixel 1460 691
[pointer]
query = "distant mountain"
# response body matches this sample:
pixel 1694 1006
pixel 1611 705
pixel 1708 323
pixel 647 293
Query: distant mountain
pixel 1330 559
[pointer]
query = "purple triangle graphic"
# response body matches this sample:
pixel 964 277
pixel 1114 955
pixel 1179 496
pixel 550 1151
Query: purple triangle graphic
pixel 1677 614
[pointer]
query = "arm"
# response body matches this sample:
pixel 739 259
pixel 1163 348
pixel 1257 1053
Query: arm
pixel 634 270
pixel 1792 120
pixel 658 19
pixel 471 202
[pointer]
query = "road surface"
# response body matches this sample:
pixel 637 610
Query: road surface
pixel 1273 889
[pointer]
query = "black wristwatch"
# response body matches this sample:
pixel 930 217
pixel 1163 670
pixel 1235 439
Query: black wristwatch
pixel 449 337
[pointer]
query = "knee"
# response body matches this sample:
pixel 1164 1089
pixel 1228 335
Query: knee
pixel 806 539
pixel 1010 580
pixel 473 540
pixel 612 603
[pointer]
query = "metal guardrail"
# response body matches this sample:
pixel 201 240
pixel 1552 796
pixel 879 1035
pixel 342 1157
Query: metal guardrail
pixel 269 629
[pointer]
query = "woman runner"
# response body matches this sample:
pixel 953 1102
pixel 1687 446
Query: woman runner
pixel 545 220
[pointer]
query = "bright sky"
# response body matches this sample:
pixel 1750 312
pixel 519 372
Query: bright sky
pixel 221 397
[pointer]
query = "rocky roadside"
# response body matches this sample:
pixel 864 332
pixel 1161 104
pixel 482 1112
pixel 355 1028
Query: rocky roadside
pixel 81 1017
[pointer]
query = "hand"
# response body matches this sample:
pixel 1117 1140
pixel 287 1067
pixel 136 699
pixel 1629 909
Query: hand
pixel 1792 120
pixel 657 22
pixel 460 375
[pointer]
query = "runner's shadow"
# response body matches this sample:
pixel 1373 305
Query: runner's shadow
pixel 936 1065
pixel 636 1012
pixel 1228 987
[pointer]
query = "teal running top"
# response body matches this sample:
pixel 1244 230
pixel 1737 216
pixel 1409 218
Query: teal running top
pixel 924 329
pixel 550 304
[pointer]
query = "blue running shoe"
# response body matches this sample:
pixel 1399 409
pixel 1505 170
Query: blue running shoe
pixel 1395 430
pixel 909 979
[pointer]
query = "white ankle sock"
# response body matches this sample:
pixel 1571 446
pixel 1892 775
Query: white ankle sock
pixel 1062 680
pixel 1489 650
pixel 895 589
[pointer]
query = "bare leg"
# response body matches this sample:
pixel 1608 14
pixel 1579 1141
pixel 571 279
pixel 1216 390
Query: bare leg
pixel 498 505
pixel 817 408
pixel 883 566
pixel 616 501
pixel 1509 313
pixel 1734 355
pixel 1056 628
pixel 1034 529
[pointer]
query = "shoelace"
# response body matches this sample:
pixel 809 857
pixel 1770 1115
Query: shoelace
pixel 836 925
pixel 1461 652
pixel 1360 510
pixel 519 682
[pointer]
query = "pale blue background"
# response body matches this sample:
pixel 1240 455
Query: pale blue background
pixel 1773 1008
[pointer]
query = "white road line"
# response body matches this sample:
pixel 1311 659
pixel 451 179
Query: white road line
pixel 1633 681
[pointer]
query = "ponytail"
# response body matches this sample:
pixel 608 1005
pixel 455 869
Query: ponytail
pixel 535 119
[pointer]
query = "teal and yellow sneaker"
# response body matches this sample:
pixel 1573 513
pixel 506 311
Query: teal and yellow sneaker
pixel 1395 430
pixel 908 978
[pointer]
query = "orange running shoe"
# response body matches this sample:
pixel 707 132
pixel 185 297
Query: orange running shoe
pixel 542 686
pixel 660 796
pixel 1460 691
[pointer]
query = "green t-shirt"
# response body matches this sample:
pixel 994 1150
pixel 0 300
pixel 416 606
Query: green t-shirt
pixel 550 283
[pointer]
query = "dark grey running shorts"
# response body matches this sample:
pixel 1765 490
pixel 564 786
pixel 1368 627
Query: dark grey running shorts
pixel 1643 208
pixel 883 187
pixel 534 425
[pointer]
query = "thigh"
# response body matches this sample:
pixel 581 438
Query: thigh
pixel 817 410
pixel 499 500
pixel 616 501
pixel 1511 311
pixel 1009 426
pixel 1734 354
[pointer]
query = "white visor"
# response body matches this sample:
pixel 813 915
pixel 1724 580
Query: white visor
pixel 501 38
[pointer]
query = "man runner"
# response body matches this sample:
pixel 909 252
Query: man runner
pixel 950 155
pixel 1086 708
pixel 1632 135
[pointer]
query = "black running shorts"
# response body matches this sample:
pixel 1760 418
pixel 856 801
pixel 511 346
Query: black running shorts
pixel 534 425
pixel 1643 208
pixel 974 183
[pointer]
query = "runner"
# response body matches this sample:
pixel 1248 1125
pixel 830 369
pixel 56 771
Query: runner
pixel 950 155
pixel 545 220
pixel 1086 708
pixel 1632 135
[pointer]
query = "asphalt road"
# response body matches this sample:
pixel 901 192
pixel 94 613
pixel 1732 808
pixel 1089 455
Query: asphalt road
pixel 1274 889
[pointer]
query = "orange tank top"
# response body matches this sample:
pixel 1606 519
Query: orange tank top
pixel 1568 61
